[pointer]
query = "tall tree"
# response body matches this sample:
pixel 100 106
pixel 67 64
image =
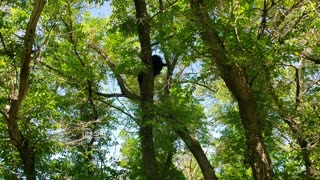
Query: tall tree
pixel 18 93
pixel 235 78
pixel 146 92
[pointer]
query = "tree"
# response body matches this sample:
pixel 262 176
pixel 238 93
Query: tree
pixel 240 90
pixel 19 92
pixel 235 79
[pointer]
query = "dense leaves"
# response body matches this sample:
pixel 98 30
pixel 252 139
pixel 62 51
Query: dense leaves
pixel 240 74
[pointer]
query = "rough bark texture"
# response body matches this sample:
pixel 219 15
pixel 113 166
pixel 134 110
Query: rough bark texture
pixel 236 82
pixel 146 91
pixel 17 138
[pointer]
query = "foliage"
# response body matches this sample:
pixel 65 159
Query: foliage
pixel 82 124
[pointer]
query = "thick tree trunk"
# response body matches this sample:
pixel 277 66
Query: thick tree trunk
pixel 27 155
pixel 16 137
pixel 236 82
pixel 146 91
pixel 22 144
pixel 259 160
pixel 196 150
pixel 148 156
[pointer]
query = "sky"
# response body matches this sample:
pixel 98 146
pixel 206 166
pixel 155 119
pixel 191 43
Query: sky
pixel 102 11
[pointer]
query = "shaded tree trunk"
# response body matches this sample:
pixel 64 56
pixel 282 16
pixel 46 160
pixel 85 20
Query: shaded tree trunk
pixel 25 151
pixel 235 79
pixel 146 91
pixel 148 152
pixel 17 138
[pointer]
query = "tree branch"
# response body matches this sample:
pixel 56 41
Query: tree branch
pixel 24 71
pixel 119 109
pixel 284 15
pixel 110 95
pixel 112 66
pixel 297 76
pixel 316 60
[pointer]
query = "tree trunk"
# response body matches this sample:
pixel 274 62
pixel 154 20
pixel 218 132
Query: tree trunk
pixel 16 137
pixel 28 158
pixel 146 91
pixel 148 156
pixel 22 144
pixel 236 82
pixel 196 149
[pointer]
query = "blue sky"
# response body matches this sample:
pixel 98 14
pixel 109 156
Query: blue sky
pixel 102 11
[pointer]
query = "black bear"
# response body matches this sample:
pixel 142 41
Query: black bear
pixel 157 67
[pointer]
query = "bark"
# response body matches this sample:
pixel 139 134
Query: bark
pixel 198 153
pixel 16 137
pixel 146 91
pixel 235 79
pixel 148 152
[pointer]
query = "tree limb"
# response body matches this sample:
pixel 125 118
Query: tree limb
pixel 112 66
pixel 316 60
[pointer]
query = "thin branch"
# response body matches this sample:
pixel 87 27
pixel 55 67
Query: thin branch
pixel 61 73
pixel 3 44
pixel 110 95
pixel 161 5
pixel 163 8
pixel 294 25
pixel 235 30
pixel 120 80
pixel 199 84
pixel 171 66
pixel 285 116
pixel 284 15
pixel 48 66
pixel 166 38
pixel 71 39
pixel 297 76
pixel 237 38
pixel 118 109
pixel 307 89
pixel 288 65
pixel 4 115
